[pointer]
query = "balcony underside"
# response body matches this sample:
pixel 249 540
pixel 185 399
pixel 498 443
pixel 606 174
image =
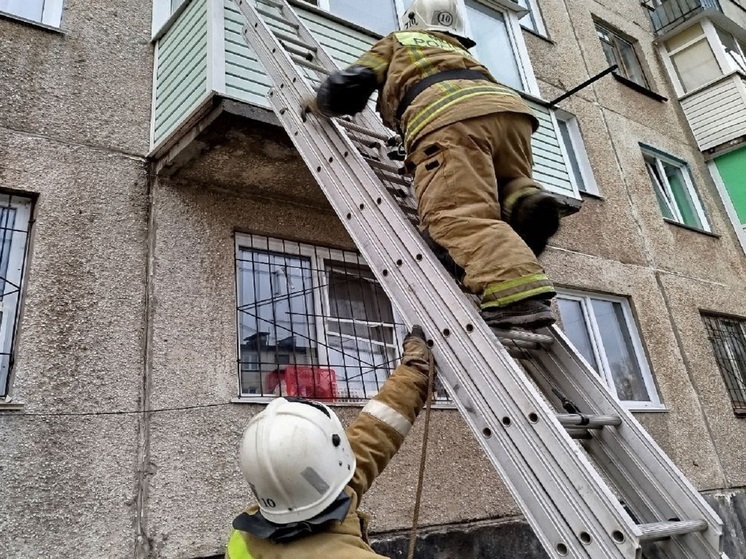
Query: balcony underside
pixel 240 148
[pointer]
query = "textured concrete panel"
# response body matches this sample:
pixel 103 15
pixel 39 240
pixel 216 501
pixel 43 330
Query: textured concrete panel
pixel 71 479
pixel 91 84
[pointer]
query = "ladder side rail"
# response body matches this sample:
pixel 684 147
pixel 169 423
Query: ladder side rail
pixel 323 58
pixel 373 247
pixel 629 453
pixel 268 60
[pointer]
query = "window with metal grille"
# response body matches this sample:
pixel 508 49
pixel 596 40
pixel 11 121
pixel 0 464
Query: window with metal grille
pixel 620 51
pixel 728 339
pixel 312 322
pixel 15 214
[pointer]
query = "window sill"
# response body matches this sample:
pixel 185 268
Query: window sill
pixel 264 400
pixel 32 23
pixel 690 228
pixel 592 195
pixel 10 405
pixel 538 35
pixel 632 408
pixel 639 88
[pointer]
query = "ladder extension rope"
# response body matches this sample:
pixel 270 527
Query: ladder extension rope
pixel 423 457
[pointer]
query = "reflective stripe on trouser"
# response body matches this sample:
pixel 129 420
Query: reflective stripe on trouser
pixel 237 547
pixel 461 173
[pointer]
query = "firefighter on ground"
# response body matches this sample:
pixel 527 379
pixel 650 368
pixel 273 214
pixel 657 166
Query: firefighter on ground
pixel 468 140
pixel 308 473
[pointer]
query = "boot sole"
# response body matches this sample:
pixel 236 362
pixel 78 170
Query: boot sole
pixel 528 321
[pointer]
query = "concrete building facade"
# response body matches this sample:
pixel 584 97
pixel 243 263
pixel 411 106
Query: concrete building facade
pixel 160 232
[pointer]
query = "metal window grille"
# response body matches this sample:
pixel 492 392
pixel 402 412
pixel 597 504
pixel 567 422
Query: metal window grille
pixel 15 213
pixel 313 322
pixel 728 339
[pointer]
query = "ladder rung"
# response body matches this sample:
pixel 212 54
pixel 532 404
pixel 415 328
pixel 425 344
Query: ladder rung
pixel 361 129
pixel 294 40
pixel 371 144
pixel 395 179
pixel 589 421
pixel 519 344
pixel 524 335
pixel 300 61
pixel 299 52
pixel 270 15
pixel 383 166
pixel 662 530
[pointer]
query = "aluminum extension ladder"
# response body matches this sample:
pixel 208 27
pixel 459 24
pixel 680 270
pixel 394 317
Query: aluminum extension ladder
pixel 550 461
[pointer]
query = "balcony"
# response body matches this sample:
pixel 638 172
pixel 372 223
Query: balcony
pixel 669 15
pixel 717 111
pixel 212 124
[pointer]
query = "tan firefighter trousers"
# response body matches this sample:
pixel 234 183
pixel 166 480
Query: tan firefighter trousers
pixel 463 173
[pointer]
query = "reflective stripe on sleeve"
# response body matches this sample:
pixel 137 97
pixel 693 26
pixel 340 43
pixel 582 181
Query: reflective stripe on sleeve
pixel 389 416
pixel 237 547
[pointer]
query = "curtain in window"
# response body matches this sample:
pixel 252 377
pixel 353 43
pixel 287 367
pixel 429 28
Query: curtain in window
pixel 360 330
pixel 696 65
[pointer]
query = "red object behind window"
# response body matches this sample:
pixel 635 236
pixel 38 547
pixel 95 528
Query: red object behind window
pixel 303 381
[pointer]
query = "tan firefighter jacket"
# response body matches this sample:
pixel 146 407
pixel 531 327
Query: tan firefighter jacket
pixel 403 58
pixel 375 436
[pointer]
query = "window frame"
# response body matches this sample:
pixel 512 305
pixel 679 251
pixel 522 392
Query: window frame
pixel 662 157
pixel 622 69
pixel 575 136
pixel 51 14
pixel 591 324
pixel 15 275
pixel 535 16
pixel 729 380
pixel 319 257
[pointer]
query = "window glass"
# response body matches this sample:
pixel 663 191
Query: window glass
pixel 28 9
pixel 696 65
pixel 571 154
pixel 733 50
pixel 681 194
pixel 729 347
pixel 531 19
pixel 621 52
pixel 377 15
pixel 686 36
pixel 574 325
pixel 494 48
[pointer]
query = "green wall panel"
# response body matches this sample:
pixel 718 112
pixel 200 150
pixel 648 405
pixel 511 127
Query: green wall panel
pixel 732 169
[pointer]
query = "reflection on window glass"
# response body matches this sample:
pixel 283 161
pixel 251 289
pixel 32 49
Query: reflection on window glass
pixel 624 368
pixel 696 65
pixel 599 329
pixel 377 15
pixel 733 49
pixel 570 148
pixel 494 48
pixel 574 325
pixel 276 323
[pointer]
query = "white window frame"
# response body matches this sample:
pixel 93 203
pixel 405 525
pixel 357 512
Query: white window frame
pixel 590 186
pixel 584 298
pixel 710 34
pixel 665 189
pixel 162 14
pixel 15 275
pixel 534 14
pixel 51 13
pixel 319 257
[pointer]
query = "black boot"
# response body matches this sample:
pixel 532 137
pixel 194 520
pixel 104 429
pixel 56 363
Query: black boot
pixel 530 314
pixel 536 218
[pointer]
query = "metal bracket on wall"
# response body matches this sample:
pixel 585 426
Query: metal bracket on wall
pixel 583 85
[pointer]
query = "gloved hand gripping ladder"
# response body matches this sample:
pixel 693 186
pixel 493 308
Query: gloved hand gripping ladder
pixel 573 512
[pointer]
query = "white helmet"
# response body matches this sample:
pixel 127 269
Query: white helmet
pixel 437 15
pixel 297 459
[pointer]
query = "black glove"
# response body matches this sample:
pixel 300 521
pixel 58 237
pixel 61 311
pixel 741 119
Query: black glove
pixel 346 92
pixel 416 351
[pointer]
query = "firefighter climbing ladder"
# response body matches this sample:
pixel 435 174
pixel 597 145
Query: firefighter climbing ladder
pixel 556 465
